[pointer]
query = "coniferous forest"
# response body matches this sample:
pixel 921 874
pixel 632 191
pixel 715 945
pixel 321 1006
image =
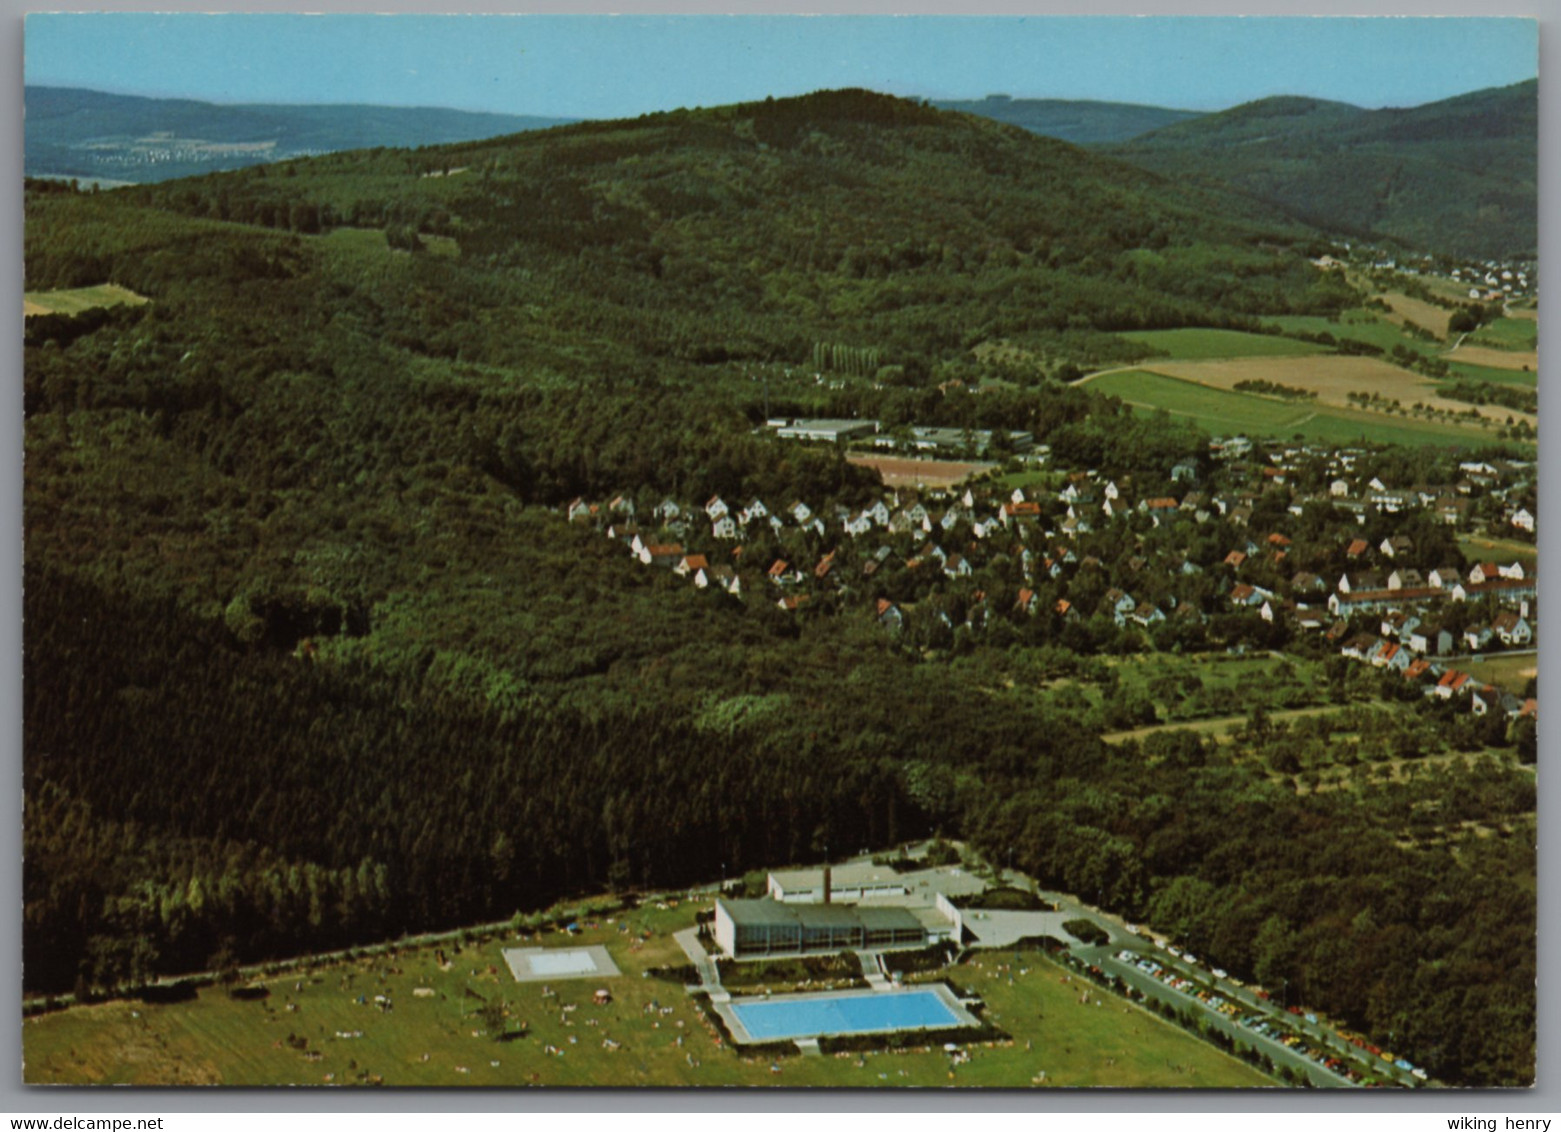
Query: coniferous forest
pixel 313 655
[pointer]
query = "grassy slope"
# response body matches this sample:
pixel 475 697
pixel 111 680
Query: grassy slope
pixel 216 1039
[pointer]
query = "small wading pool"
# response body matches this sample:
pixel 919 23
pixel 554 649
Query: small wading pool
pixel 863 1012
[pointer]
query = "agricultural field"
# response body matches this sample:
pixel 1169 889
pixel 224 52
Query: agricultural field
pixel 1508 334
pixel 1226 412
pixel 1472 372
pixel 1496 358
pixel 1332 379
pixel 325 1027
pixel 1361 325
pixel 1198 343
pixel 1426 315
pixel 898 471
pixel 79 299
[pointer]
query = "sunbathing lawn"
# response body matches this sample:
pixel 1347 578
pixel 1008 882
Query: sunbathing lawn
pixel 439 1040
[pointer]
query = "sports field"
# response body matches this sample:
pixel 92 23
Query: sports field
pixel 898 471
pixel 326 1027
pixel 79 299
pixel 1197 342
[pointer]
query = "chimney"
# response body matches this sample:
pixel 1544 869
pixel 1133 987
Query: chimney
pixel 826 884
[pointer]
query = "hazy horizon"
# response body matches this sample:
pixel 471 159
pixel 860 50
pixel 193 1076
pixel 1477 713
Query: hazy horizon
pixel 613 67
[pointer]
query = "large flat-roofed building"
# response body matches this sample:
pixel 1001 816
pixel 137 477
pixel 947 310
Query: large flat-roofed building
pixel 748 929
pixel 843 882
pixel 830 430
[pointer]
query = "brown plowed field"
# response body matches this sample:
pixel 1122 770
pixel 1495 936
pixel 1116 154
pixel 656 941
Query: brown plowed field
pixel 1496 359
pixel 900 472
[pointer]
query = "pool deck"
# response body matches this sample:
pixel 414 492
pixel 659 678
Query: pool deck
pixel 741 1036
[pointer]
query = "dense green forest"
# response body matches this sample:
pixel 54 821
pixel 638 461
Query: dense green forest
pixel 312 656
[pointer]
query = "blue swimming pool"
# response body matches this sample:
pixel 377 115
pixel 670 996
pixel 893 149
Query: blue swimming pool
pixel 809 1017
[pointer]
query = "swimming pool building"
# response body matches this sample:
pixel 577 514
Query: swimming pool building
pixel 751 928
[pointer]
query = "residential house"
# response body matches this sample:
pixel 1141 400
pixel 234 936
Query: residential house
pixel 1513 629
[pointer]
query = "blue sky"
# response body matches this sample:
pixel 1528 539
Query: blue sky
pixel 601 66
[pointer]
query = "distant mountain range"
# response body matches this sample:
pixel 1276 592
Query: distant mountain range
pixel 115 137
pixel 1082 123
pixel 1457 176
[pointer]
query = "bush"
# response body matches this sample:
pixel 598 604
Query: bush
pixel 1087 930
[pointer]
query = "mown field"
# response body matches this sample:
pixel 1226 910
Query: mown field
pixel 651 1034
pixel 77 299
pixel 1197 342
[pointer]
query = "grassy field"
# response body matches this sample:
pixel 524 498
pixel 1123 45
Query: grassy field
pixel 1510 673
pixel 1508 334
pixel 1360 325
pixel 660 1037
pixel 1529 377
pixel 79 299
pixel 1485 548
pixel 1227 412
pixel 1196 343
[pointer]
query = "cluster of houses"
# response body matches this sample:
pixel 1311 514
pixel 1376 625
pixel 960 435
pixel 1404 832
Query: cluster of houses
pixel 1052 541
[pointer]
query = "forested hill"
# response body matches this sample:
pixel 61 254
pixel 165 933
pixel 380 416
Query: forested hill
pixel 1081 122
pixel 1458 176
pixel 119 137
pixel 313 657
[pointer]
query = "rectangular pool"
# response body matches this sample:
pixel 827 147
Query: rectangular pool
pixel 863 1012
